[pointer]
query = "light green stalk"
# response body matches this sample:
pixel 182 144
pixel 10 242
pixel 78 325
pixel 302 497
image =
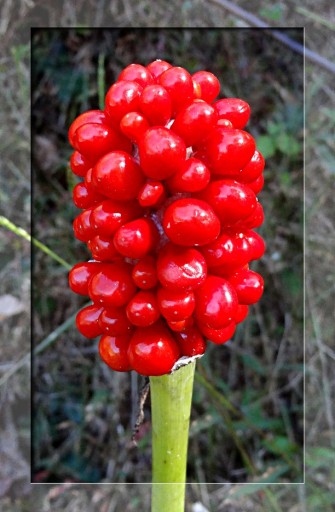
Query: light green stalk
pixel 171 397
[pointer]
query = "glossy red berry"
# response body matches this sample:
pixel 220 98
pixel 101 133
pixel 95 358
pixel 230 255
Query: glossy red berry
pixel 241 313
pixel 179 84
pixel 157 67
pixel 256 244
pixel 194 122
pixel 91 116
pixel 82 227
pixel 114 321
pixel 117 176
pixel 227 148
pixel 84 198
pixel 112 286
pixel 231 249
pixel 181 268
pixel 216 302
pixel 249 286
pixel 192 176
pixel 103 249
pixel 136 73
pixel 87 321
pixel 209 85
pixel 257 185
pixel 142 310
pixel 113 351
pixel 175 305
pixel 144 273
pixel 218 336
pixel 153 350
pixel 109 215
pixel 133 125
pixel 152 194
pixel 123 97
pixel 230 200
pixel 190 222
pixel 156 104
pixel 191 342
pixel 180 325
pixel 253 169
pixel 79 164
pixel 161 152
pixel 80 275
pixel 235 110
pixel 136 238
pixel 254 220
pixel 95 140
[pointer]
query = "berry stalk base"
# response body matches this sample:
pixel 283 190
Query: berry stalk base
pixel 171 397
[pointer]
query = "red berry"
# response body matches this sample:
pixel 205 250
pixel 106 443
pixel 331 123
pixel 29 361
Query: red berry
pixel 152 194
pixel 153 350
pixel 192 176
pixel 218 336
pixel 181 325
pixel 181 268
pixel 230 200
pixel 161 153
pixel 241 313
pixel 175 305
pixel 227 148
pixel 117 176
pixel 190 222
pixel 87 321
pixel 230 250
pixel 194 122
pixel 136 238
pixel 255 219
pixel 113 351
pixel 112 286
pixel 121 98
pixel 209 85
pixel 216 302
pixel 179 84
pixel 257 185
pixel 84 198
pixel 144 273
pixel 95 140
pixel 253 169
pixel 191 342
pixel 224 123
pixel 109 215
pixel 156 104
pixel 91 116
pixel 249 286
pixel 79 164
pixel 82 227
pixel 133 125
pixel 256 243
pixel 196 90
pixel 80 275
pixel 143 310
pixel 114 321
pixel 136 73
pixel 235 110
pixel 157 67
pixel 103 249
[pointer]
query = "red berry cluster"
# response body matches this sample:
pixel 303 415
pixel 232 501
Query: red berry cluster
pixel 169 200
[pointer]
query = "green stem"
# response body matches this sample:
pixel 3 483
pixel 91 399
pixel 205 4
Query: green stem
pixel 171 397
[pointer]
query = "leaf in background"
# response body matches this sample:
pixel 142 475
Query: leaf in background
pixel 9 306
pixel 287 144
pixel 266 146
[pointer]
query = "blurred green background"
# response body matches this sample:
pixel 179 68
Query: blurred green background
pixel 247 415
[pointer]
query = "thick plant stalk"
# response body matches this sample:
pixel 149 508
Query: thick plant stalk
pixel 171 397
